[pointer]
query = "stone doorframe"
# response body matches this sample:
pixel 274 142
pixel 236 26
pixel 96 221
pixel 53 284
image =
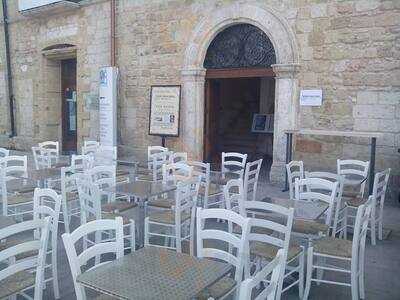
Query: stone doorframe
pixel 286 68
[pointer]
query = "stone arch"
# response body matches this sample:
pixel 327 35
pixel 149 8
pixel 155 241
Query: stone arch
pixel 193 74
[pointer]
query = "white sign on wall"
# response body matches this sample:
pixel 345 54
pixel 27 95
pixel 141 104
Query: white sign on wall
pixel 311 97
pixel 108 106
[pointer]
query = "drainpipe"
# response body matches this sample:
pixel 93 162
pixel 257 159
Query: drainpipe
pixel 9 74
pixel 112 17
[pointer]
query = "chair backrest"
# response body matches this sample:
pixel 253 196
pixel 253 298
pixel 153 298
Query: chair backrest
pixel 68 181
pixel 317 189
pixel 237 258
pixel 76 261
pixel 47 203
pixel 234 194
pixel 41 158
pixel 381 180
pixel 105 155
pixel 294 169
pixel 4 152
pixel 361 228
pixel 15 165
pixel 270 273
pixel 178 157
pixel 250 181
pixel 52 149
pixel 103 177
pixel 157 161
pixel 233 162
pixel 35 262
pixel 90 147
pixel 176 172
pixel 151 150
pixel 333 177
pixel 356 169
pixel 89 199
pixel 80 163
pixel 202 170
pixel 186 198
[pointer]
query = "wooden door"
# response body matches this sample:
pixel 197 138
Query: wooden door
pixel 211 152
pixel 69 105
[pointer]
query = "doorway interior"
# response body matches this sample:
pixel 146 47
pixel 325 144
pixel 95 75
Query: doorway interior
pixel 68 106
pixel 232 101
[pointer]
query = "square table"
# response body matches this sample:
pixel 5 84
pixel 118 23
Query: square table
pixel 155 273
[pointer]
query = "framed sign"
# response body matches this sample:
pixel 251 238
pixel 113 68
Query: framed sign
pixel 164 110
pixel 311 97
pixel 263 123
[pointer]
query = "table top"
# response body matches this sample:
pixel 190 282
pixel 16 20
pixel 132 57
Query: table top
pixel 365 134
pixel 43 174
pixel 141 189
pixel 155 273
pixel 305 210
pixel 6 221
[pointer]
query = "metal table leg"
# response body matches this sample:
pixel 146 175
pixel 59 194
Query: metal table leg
pixel 372 165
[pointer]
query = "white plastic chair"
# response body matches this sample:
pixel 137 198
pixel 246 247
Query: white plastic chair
pixel 250 181
pixel 202 170
pixel 15 203
pixel 178 223
pixel 381 180
pixel 41 159
pixel 4 152
pixel 339 222
pixel 47 203
pixel 311 190
pixel 177 157
pixel 234 194
pixel 237 258
pixel 151 150
pixel 78 260
pixel 91 209
pixel 176 172
pixel 271 227
pixel 52 150
pixel 355 173
pixel 89 147
pixel 80 163
pixel 18 273
pixel 157 161
pixel 341 252
pixel 272 272
pixel 294 170
pixel 233 162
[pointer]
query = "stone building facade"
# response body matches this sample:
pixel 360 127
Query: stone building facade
pixel 349 49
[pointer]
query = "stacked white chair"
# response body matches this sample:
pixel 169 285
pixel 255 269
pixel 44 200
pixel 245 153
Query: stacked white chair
pixel 339 222
pixel 251 174
pixel 312 190
pixel 355 173
pixel 268 277
pixel 156 162
pixel 52 150
pixel 17 200
pixel 233 162
pixel 381 180
pixel 341 251
pixel 227 285
pixel 152 150
pixel 177 223
pixel 78 260
pixel 91 209
pixel 294 170
pixel 17 276
pixel 271 227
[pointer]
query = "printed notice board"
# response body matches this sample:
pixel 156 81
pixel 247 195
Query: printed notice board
pixel 164 110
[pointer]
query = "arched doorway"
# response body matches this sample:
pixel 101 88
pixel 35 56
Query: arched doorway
pixel 239 94
pixel 286 84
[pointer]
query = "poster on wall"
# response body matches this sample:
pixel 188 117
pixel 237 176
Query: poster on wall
pixel 164 110
pixel 263 123
pixel 311 97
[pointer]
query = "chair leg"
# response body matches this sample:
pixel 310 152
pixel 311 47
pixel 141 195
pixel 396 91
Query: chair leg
pixel 65 216
pixel 320 272
pixel 354 283
pixel 132 232
pixel 373 229
pixel 97 240
pixel 309 272
pixel 146 231
pixel 301 275
pixel 345 223
pixel 54 273
pixel 361 282
pixel 380 225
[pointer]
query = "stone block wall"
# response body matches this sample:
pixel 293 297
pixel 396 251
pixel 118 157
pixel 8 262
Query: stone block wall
pixel 350 49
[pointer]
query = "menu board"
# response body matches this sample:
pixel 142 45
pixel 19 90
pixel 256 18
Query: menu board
pixel 164 110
